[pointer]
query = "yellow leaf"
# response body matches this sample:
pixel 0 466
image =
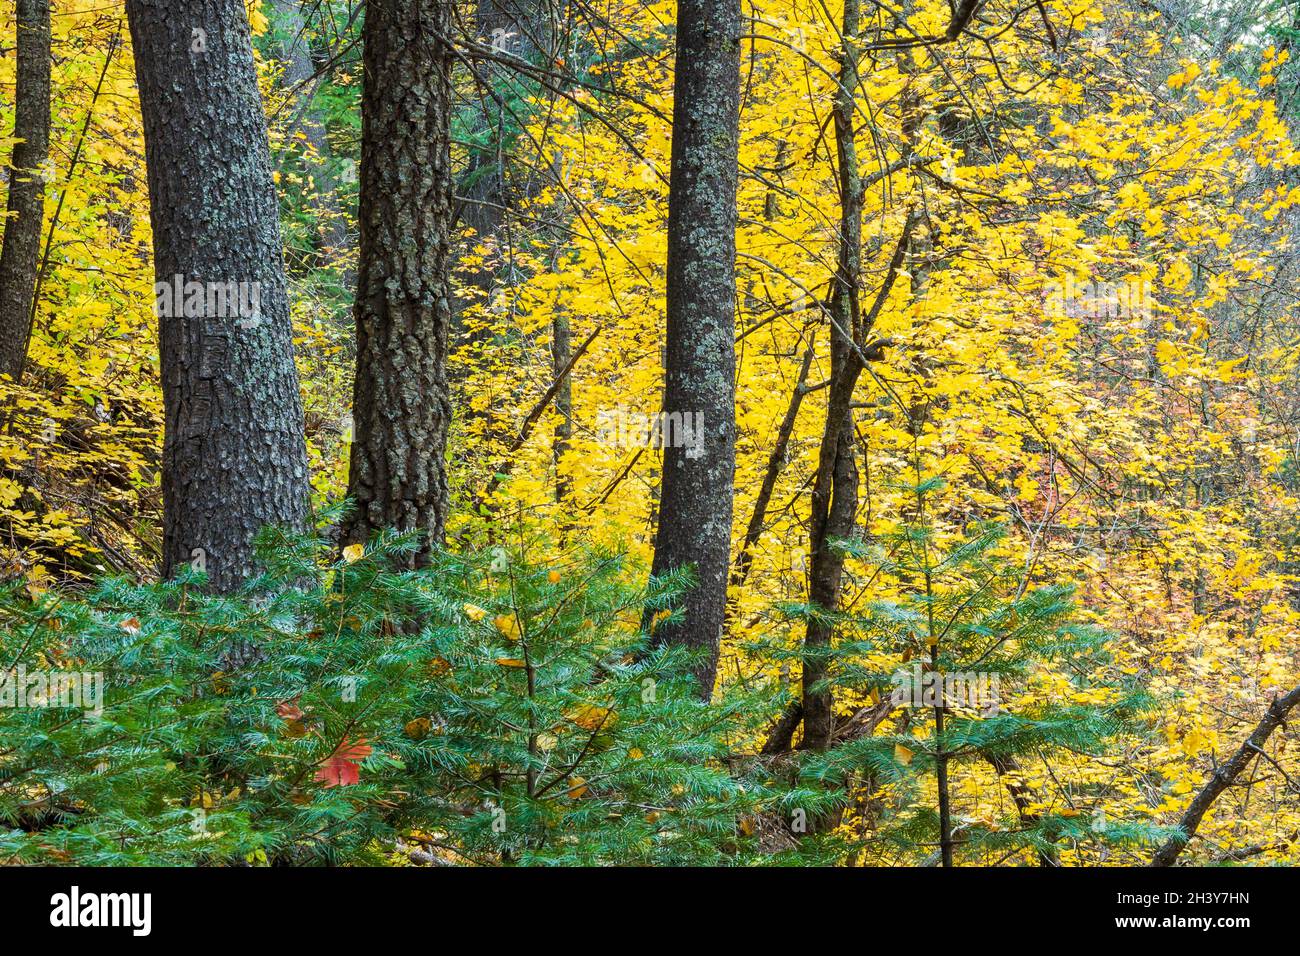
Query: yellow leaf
pixel 592 718
pixel 419 728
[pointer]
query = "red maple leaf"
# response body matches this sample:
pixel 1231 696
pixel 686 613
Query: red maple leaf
pixel 342 767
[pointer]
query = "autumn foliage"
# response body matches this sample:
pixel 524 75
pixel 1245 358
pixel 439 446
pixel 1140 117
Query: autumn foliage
pixel 1085 390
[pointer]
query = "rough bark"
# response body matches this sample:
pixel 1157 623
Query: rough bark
pixel 697 488
pixel 22 230
pixel 401 406
pixel 234 459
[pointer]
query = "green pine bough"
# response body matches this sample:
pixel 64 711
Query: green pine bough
pixel 334 711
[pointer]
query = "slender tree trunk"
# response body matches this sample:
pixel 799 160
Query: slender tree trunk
pixel 301 81
pixel 835 486
pixel 835 502
pixel 1023 796
pixel 22 231
pixel 515 28
pixel 775 462
pixel 401 406
pixel 234 459
pixel 941 757
pixel 561 355
pixel 493 182
pixel 698 472
pixel 1225 775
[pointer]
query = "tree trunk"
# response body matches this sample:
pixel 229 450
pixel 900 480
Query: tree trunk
pixel 698 468
pixel 234 459
pixel 22 230
pixel 561 356
pixel 492 183
pixel 515 28
pixel 401 406
pixel 1225 775
pixel 835 486
pixel 775 462
pixel 301 81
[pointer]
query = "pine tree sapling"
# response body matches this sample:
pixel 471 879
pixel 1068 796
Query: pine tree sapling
pixel 976 670
pixel 486 710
